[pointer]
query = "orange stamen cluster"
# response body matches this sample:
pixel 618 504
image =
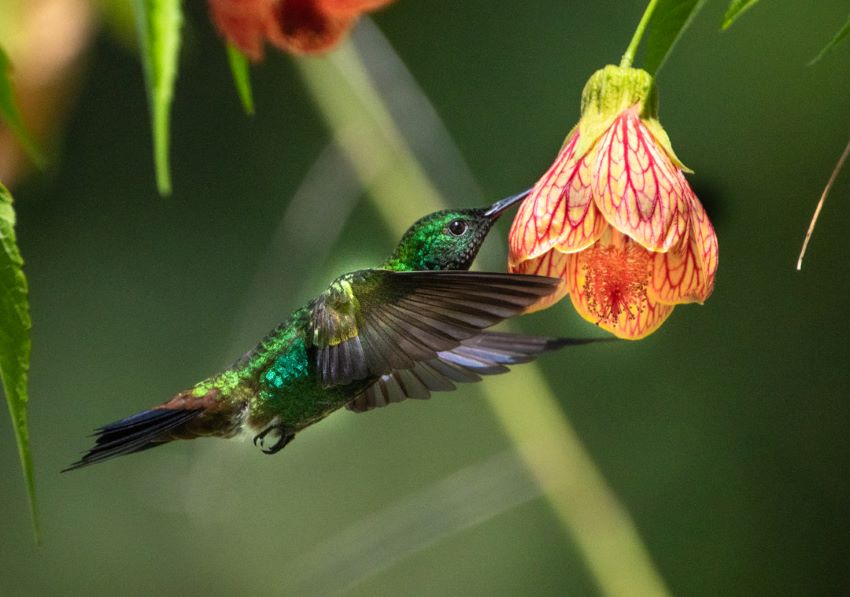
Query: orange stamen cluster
pixel 615 281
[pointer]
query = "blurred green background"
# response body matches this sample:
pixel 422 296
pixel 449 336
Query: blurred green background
pixel 724 434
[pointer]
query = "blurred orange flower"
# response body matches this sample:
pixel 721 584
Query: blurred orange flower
pixel 614 216
pixel 297 26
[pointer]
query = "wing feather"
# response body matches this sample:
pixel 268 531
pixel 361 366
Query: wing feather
pixel 377 322
pixel 487 353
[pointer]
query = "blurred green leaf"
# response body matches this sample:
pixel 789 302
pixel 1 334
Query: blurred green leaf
pixel 159 23
pixel 669 21
pixel 241 77
pixel 842 34
pixel 119 20
pixel 736 9
pixel 15 340
pixel 11 115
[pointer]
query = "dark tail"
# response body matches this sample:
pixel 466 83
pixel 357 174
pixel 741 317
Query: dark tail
pixel 144 430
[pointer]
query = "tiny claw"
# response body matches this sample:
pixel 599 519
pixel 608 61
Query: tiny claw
pixel 259 439
pixel 286 436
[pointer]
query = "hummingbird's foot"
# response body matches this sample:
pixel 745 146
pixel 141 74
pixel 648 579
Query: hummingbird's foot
pixel 286 435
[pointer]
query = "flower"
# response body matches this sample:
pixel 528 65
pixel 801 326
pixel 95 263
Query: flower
pixel 614 216
pixel 296 26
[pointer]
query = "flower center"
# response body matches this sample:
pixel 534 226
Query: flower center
pixel 615 281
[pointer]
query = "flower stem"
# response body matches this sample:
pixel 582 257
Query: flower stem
pixel 629 56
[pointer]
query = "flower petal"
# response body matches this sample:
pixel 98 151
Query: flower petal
pixel 675 276
pixel 304 27
pixel 351 7
pixel 552 264
pixel 686 274
pixel 559 212
pixel 244 23
pixel 705 239
pixel 635 324
pixel 637 187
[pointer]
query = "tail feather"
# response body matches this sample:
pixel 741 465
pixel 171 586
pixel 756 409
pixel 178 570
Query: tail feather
pixel 141 431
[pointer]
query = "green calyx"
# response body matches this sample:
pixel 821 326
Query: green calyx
pixel 608 93
pixel 613 89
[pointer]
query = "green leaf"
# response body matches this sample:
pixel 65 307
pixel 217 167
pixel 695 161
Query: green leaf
pixel 842 34
pixel 241 77
pixel 669 21
pixel 736 9
pixel 159 22
pixel 15 340
pixel 12 116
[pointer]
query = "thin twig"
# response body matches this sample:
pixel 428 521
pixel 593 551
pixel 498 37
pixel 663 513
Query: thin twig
pixel 826 190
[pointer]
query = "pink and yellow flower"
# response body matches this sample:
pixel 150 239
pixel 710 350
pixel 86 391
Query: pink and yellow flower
pixel 614 216
pixel 296 26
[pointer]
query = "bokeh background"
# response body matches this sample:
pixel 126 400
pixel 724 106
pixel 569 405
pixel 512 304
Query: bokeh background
pixel 724 434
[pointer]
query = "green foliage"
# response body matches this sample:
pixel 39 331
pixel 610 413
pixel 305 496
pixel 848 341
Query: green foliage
pixel 669 21
pixel 736 9
pixel 15 339
pixel 241 77
pixel 842 34
pixel 159 22
pixel 11 115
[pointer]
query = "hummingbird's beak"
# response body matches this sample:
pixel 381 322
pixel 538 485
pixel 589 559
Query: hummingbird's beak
pixel 494 211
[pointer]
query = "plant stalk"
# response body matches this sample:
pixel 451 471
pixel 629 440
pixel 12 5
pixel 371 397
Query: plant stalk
pixel 629 56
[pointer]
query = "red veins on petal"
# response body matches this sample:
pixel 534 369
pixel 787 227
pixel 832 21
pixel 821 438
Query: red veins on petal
pixel 686 274
pixel 559 211
pixel 646 322
pixel 705 243
pixel 553 264
pixel 676 276
pixel 637 187
pixel 522 237
pixel 622 227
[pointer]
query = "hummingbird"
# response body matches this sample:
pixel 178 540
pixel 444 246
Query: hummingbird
pixel 414 325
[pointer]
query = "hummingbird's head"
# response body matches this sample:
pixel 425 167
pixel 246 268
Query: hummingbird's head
pixel 448 239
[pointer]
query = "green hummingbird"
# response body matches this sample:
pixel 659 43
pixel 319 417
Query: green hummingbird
pixel 409 327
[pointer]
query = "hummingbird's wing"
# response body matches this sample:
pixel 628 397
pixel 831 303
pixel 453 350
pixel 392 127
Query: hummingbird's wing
pixel 375 322
pixel 485 354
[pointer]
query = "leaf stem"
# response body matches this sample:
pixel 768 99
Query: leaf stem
pixel 629 56
pixel 823 196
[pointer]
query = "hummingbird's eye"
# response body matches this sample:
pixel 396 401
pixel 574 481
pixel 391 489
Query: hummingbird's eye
pixel 457 227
